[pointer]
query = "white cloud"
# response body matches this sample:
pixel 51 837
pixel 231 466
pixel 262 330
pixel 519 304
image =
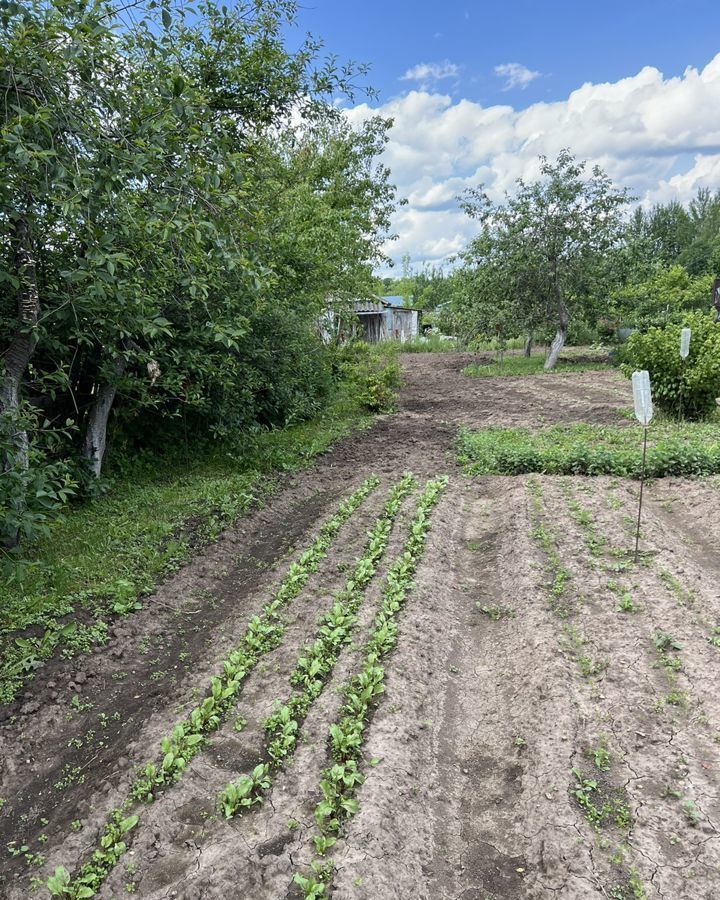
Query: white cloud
pixel 515 75
pixel 655 135
pixel 427 74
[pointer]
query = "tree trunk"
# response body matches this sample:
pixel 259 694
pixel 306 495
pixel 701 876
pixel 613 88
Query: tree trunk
pixel 96 431
pixel 528 343
pixel 558 341
pixel 15 362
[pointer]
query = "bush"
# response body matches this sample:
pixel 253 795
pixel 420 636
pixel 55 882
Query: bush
pixel 34 488
pixel 680 387
pixel 370 373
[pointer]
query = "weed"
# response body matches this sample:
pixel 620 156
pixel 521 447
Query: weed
pixel 600 755
pixel 531 365
pixel 600 805
pixel 684 597
pixel 79 705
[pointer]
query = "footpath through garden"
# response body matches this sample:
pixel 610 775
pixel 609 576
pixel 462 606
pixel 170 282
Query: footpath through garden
pixel 398 688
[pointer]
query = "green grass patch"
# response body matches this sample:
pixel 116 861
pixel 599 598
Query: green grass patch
pixel 684 450
pixel 533 365
pixel 430 343
pixel 105 554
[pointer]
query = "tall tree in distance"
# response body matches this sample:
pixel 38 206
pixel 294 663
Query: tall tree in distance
pixel 545 246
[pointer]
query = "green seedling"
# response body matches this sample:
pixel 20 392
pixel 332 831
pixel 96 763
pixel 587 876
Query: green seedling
pixel 496 612
pixel 340 780
pixel 263 633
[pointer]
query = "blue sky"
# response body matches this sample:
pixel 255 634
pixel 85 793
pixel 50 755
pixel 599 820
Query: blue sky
pixel 567 42
pixel 478 90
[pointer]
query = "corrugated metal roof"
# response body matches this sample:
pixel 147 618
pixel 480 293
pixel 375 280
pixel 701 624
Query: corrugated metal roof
pixel 368 306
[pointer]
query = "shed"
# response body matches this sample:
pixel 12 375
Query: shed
pixel 382 321
pixel 376 320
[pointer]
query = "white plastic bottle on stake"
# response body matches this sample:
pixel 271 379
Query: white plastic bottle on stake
pixel 685 342
pixel 684 353
pixel 642 396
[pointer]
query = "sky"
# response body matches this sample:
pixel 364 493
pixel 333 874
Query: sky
pixel 479 90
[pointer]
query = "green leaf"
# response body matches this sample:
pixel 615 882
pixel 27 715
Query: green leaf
pixel 128 823
pixel 57 883
pixel 166 17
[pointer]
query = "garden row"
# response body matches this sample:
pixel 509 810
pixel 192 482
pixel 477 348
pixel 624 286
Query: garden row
pixel 263 633
pixel 313 669
pixel 663 687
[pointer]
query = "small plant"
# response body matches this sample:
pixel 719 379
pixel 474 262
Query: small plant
pixel 626 604
pixel 497 612
pixel 245 792
pixel 664 641
pixel 691 812
pixel 600 756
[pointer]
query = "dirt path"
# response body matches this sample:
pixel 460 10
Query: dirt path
pixel 550 719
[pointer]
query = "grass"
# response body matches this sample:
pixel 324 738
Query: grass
pixel 429 343
pixel 673 449
pixel 534 365
pixel 105 554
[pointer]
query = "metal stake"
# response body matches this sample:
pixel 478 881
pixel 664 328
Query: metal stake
pixel 642 485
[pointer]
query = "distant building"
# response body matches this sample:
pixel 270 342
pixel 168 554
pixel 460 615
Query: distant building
pixel 372 321
pixel 382 320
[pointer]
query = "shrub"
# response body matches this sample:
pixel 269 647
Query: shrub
pixel 371 373
pixel 680 387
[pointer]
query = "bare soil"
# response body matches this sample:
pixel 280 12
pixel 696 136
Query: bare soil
pixel 538 736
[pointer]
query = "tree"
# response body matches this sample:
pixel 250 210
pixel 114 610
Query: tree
pixel 544 248
pixel 179 196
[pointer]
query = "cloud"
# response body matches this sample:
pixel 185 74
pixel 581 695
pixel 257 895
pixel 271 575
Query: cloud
pixel 652 134
pixel 515 75
pixel 428 73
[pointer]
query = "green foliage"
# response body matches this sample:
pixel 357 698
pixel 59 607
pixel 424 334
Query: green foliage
pixel 372 374
pixel 185 195
pixel 34 487
pixel 430 342
pixel 541 255
pixel 107 553
pixel 667 295
pixel 591 450
pixel 680 387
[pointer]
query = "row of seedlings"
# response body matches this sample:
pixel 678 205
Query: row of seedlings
pixel 604 804
pixel 341 779
pixel 317 662
pixel 263 633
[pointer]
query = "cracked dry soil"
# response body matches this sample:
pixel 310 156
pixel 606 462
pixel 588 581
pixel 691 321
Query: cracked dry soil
pixel 497 689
